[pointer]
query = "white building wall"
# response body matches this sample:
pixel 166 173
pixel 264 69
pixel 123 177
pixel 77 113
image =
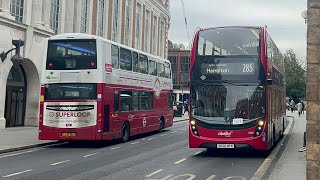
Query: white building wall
pixel 35 27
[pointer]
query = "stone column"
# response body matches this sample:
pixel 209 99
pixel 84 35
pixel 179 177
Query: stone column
pixel 37 13
pixel 313 87
pixel 5 9
pixel 46 5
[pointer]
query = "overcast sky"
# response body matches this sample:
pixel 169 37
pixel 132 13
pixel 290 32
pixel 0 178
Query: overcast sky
pixel 282 17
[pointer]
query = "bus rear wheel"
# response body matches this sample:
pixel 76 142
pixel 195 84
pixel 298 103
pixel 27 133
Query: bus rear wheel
pixel 125 133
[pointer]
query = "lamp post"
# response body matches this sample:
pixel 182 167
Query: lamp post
pixel 17 57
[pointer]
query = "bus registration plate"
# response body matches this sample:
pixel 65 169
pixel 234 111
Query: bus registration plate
pixel 68 134
pixel 227 146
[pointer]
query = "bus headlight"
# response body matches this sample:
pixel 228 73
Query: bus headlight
pixel 259 128
pixel 194 127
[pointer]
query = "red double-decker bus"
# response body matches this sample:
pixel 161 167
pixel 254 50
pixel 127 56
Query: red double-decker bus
pixel 96 89
pixel 237 88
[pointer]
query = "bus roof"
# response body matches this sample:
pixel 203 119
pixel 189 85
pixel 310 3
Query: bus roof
pixel 201 29
pixel 89 36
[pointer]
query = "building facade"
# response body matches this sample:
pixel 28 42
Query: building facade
pixel 180 63
pixel 141 24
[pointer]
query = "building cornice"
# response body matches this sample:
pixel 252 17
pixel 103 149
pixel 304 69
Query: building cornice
pixel 161 7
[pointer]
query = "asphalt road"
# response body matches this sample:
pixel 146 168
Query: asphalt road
pixel 161 156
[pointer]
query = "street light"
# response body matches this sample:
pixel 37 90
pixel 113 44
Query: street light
pixel 17 57
pixel 304 15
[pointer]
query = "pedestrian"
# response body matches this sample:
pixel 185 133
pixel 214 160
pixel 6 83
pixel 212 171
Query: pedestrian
pixel 303 147
pixel 299 108
pixel 303 106
pixel 185 108
pixel 292 104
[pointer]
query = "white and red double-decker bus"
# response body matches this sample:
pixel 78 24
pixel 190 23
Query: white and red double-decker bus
pixel 96 89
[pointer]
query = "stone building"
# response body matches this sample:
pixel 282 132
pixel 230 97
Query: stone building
pixel 141 24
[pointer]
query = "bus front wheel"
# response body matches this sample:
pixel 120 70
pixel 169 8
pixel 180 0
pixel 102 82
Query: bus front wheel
pixel 125 132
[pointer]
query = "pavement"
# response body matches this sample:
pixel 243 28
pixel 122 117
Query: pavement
pixel 292 163
pixel 20 138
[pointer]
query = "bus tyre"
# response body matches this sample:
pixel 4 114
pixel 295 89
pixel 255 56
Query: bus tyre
pixel 125 132
pixel 161 125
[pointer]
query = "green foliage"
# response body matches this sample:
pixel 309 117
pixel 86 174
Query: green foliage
pixel 295 76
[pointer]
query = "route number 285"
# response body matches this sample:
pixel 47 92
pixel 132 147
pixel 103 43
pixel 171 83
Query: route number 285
pixel 247 68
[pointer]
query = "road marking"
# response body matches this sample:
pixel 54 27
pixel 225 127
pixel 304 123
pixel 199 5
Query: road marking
pixel 183 129
pixel 116 148
pixel 180 161
pixel 164 134
pixel 150 139
pixel 211 177
pixel 135 142
pixel 174 132
pixel 59 162
pixel 143 139
pixel 91 154
pixel 151 174
pixel 17 173
pixel 197 153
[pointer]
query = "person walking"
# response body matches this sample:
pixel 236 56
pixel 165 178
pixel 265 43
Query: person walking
pixel 303 106
pixel 185 108
pixel 299 108
pixel 292 104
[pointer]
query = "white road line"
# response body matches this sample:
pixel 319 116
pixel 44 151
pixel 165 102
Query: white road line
pixel 17 173
pixel 156 172
pixel 116 148
pixel 59 162
pixel 174 132
pixel 183 129
pixel 197 153
pixel 135 142
pixel 143 139
pixel 211 177
pixel 164 134
pixel 88 155
pixel 150 139
pixel 180 161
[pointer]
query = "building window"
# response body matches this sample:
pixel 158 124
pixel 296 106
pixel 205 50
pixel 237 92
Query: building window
pixel 84 16
pixel 16 9
pixel 127 23
pixel 138 26
pixel 115 24
pixel 184 70
pixel 147 29
pixel 54 15
pixel 161 38
pixel 101 16
pixel 173 60
pixel 155 35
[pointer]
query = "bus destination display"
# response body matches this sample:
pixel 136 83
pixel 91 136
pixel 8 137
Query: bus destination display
pixel 234 68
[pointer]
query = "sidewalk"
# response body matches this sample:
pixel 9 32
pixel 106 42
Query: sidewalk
pixel 292 164
pixel 19 138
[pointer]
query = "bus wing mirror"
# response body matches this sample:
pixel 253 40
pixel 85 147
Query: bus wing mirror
pixel 269 81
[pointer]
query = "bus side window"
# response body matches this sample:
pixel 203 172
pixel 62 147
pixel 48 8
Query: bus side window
pixel 115 56
pixel 143 64
pixel 125 59
pixel 135 62
pixel 161 70
pixel 153 68
pixel 116 101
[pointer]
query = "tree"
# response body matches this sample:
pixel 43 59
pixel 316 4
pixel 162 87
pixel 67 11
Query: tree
pixel 295 76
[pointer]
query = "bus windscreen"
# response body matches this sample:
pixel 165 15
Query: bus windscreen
pixel 71 54
pixel 70 91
